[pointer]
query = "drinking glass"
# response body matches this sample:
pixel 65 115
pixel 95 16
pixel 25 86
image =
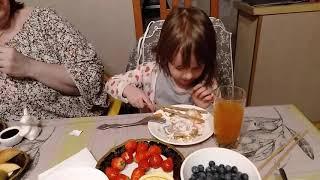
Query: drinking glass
pixel 228 111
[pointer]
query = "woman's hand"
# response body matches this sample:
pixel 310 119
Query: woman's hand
pixel 137 97
pixel 13 63
pixel 202 96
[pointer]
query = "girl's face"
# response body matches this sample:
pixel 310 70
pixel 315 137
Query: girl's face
pixel 4 12
pixel 185 76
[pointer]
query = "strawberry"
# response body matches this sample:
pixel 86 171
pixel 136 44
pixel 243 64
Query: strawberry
pixel 131 145
pixel 167 165
pixel 155 161
pixel 142 146
pixel 127 156
pixel 154 149
pixel 122 177
pixel 118 163
pixel 111 172
pixel 144 164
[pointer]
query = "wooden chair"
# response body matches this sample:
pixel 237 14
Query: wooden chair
pixel 115 104
pixel 164 11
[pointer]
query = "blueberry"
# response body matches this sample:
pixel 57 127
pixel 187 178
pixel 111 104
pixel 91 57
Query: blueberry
pixel 212 163
pixel 193 177
pixel 233 175
pixel 201 168
pixel 222 176
pixel 209 176
pixel 227 176
pixel 244 176
pixel 215 176
pixel 221 170
pixel 202 175
pixel 228 168
pixel 234 169
pixel 195 169
pixel 208 169
pixel 235 178
pixel 214 168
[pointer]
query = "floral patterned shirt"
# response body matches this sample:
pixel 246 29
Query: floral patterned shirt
pixel 49 38
pixel 143 77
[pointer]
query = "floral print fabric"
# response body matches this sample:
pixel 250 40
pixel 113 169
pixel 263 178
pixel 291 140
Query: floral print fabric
pixel 47 37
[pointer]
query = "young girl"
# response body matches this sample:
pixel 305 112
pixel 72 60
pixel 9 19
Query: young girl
pixel 184 68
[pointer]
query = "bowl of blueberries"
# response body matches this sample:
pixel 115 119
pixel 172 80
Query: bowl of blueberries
pixel 218 163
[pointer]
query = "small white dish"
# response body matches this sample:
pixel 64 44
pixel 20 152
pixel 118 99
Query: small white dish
pixel 219 156
pixel 77 173
pixel 10 136
pixel 157 130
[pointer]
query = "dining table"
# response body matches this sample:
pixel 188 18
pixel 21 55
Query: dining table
pixel 264 130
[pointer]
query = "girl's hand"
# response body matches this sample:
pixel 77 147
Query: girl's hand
pixel 137 97
pixel 13 63
pixel 202 96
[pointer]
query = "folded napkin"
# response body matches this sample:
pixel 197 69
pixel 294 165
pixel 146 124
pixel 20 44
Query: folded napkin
pixel 82 159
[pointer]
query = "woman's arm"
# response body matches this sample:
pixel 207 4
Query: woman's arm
pixel 54 76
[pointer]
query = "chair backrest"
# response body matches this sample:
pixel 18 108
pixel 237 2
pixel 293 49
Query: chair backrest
pixel 165 10
pixel 143 52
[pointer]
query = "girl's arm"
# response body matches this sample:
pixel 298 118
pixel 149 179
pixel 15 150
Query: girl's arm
pixel 136 77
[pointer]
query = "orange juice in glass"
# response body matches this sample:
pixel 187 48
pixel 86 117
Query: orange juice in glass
pixel 228 109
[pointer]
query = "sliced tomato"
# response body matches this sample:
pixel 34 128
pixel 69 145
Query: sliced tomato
pixel 137 173
pixel 154 149
pixel 167 165
pixel 131 145
pixel 155 161
pixel 127 156
pixel 111 172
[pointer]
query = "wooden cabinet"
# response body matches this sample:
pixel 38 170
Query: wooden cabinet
pixel 278 55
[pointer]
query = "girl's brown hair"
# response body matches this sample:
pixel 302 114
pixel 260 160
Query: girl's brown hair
pixel 15 6
pixel 190 31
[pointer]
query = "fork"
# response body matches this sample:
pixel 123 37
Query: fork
pixel 156 118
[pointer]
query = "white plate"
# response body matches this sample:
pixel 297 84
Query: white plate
pixel 77 173
pixel 158 132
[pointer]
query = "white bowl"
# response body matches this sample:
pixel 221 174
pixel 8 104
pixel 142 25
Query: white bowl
pixel 219 156
pixel 8 138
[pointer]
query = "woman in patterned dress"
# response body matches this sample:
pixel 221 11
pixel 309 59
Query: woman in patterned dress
pixel 46 66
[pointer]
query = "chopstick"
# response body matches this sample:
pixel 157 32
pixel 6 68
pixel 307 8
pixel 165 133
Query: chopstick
pixel 277 152
pixel 197 120
pixel 285 154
